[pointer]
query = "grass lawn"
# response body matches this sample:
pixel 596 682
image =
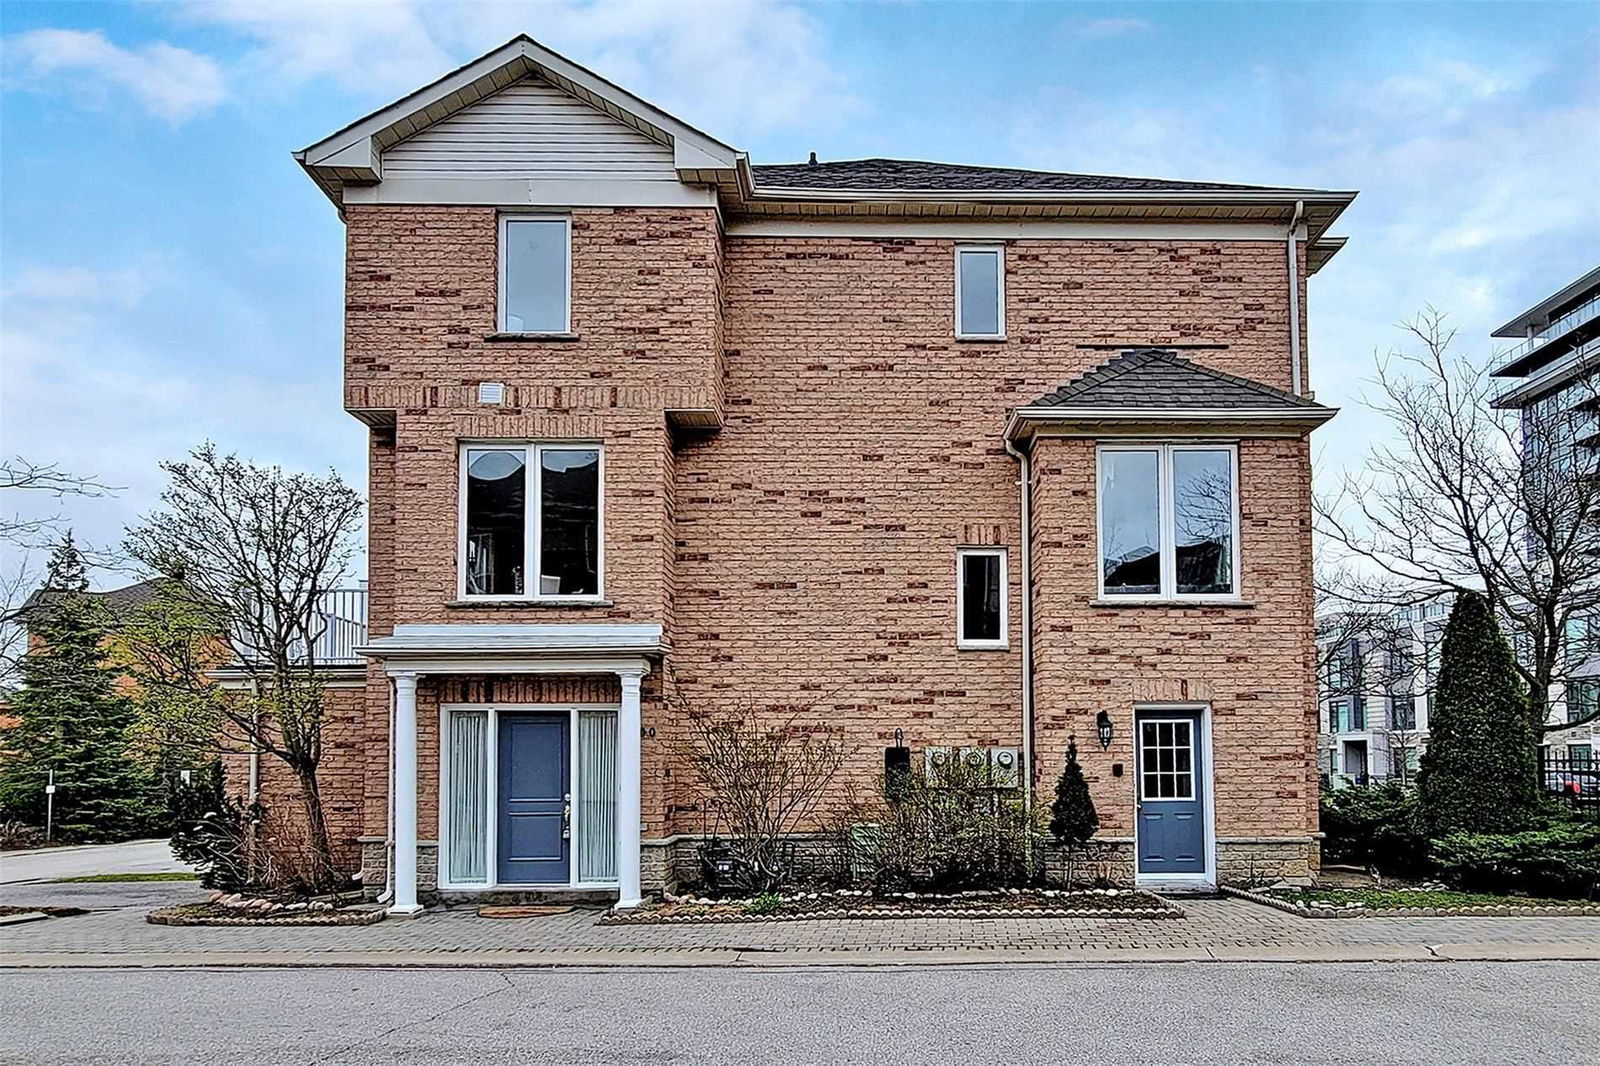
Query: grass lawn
pixel 1411 899
pixel 174 875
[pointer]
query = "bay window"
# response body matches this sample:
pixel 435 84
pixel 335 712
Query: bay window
pixel 531 509
pixel 1169 521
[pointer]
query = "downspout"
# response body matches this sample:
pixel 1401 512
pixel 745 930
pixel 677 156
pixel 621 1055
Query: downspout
pixel 1294 297
pixel 255 773
pixel 1025 560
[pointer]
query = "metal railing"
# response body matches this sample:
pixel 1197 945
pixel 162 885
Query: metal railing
pixel 344 629
pixel 1575 317
pixel 1574 781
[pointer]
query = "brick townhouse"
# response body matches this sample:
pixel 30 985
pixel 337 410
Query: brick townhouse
pixel 992 457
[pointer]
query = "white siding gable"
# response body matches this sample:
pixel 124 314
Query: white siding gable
pixel 531 130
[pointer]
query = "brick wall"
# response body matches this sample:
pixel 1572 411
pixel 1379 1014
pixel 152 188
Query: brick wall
pixel 803 557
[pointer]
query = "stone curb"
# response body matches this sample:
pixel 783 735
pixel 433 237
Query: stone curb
pixel 848 958
pixel 178 916
pixel 848 915
pixel 1485 911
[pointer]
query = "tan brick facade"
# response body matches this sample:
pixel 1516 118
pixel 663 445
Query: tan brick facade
pixel 803 555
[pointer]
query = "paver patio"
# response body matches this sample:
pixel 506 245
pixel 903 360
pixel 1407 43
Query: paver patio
pixel 115 931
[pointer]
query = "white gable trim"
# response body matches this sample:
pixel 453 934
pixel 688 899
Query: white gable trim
pixel 354 154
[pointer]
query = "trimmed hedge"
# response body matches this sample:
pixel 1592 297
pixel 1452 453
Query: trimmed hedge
pixel 1560 860
pixel 1377 826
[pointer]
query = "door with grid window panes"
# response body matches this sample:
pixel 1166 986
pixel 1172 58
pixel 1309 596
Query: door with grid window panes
pixel 1170 792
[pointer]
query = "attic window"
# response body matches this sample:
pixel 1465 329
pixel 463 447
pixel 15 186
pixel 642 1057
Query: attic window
pixel 535 274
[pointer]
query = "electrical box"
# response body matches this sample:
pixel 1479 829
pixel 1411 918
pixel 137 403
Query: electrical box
pixel 1005 767
pixel 935 760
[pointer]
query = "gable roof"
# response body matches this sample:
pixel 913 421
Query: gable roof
pixel 353 154
pixel 1155 388
pixel 879 175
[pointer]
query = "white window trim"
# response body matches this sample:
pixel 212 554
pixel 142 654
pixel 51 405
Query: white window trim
pixel 506 218
pixel 962 554
pixel 532 533
pixel 491 775
pixel 999 252
pixel 1167 517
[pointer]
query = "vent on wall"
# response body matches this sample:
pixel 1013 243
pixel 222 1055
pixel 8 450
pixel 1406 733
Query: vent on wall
pixel 491 392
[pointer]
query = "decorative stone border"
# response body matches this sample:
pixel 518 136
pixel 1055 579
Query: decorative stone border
pixel 1483 910
pixel 1155 908
pixel 206 914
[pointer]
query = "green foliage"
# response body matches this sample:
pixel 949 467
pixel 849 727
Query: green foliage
pixel 1406 898
pixel 1561 859
pixel 73 720
pixel 211 831
pixel 766 903
pixel 1073 819
pixel 951 830
pixel 167 646
pixel 1480 772
pixel 1378 826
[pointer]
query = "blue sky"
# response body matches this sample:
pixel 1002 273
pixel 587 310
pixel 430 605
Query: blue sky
pixel 168 274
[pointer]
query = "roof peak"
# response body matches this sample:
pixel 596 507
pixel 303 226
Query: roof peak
pixel 1180 383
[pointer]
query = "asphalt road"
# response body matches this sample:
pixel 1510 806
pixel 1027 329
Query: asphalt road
pixel 49 864
pixel 1411 1013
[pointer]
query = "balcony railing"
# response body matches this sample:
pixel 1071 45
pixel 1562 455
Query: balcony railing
pixel 1585 311
pixel 344 629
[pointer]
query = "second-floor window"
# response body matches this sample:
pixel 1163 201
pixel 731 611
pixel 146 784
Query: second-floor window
pixel 981 598
pixel 535 274
pixel 531 509
pixel 1169 521
pixel 980 291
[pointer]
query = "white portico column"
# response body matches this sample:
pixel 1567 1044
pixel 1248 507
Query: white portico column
pixel 405 796
pixel 628 806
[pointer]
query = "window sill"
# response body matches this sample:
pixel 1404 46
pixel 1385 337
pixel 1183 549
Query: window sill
pixel 529 338
pixel 528 601
pixel 969 338
pixel 966 646
pixel 1169 602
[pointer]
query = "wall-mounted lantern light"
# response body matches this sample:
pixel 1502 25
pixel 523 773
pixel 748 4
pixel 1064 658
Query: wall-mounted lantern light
pixel 1102 726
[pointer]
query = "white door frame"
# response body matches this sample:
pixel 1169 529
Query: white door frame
pixel 1206 771
pixel 492 785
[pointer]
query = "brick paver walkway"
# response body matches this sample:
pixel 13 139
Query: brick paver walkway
pixel 1217 926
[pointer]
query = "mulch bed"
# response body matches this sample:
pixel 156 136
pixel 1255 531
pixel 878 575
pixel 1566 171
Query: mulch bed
pixel 1095 903
pixel 1353 909
pixel 212 914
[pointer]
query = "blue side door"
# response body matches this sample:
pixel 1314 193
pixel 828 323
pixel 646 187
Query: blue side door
pixel 1171 793
pixel 535 800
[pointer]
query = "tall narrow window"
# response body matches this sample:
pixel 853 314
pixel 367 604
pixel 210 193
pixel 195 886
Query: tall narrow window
pixel 980 291
pixel 535 275
pixel 496 521
pixel 1130 522
pixel 468 800
pixel 981 598
pixel 532 508
pixel 569 522
pixel 597 796
pixel 1169 526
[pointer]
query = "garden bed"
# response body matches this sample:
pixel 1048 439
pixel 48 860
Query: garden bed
pixel 211 914
pixel 1406 902
pixel 847 903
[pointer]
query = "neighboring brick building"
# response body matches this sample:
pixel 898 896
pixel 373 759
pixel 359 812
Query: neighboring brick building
pixel 794 436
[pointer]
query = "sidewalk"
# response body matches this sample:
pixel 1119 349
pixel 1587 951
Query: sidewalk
pixel 1215 930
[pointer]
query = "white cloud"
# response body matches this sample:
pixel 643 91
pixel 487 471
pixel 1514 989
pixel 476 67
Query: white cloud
pixel 101 379
pixel 730 65
pixel 172 83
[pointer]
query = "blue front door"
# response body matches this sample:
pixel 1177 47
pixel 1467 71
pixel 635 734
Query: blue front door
pixel 1170 793
pixel 535 800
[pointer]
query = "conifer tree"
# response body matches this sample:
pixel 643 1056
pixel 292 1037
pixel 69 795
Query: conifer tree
pixel 1481 770
pixel 1073 819
pixel 73 720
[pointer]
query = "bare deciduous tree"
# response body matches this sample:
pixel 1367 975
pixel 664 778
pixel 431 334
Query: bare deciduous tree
pixel 1469 497
pixel 256 550
pixel 761 782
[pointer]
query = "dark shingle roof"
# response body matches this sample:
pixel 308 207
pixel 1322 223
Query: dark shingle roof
pixel 120 602
pixel 877 175
pixel 1156 377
